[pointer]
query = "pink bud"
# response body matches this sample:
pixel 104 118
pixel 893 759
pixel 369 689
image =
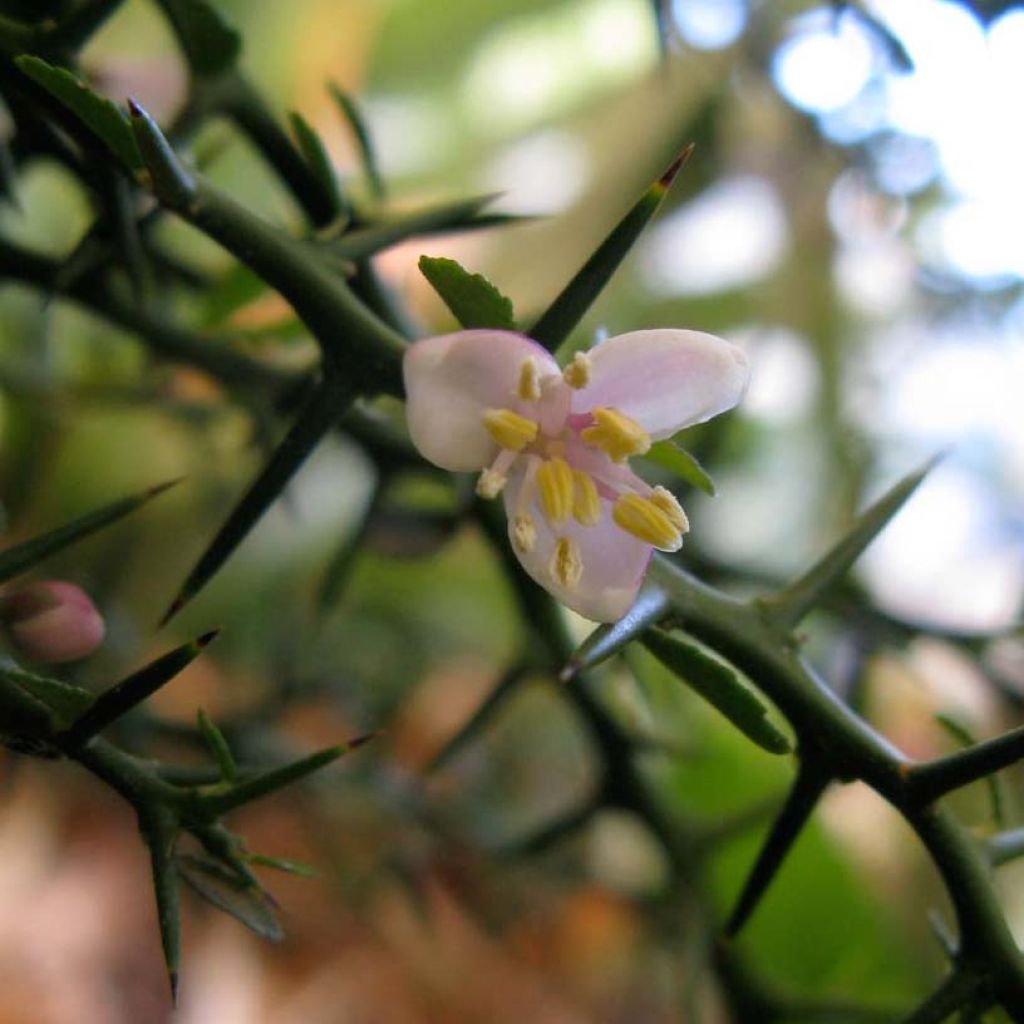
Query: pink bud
pixel 51 621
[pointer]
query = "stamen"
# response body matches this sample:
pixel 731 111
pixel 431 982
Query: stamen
pixel 578 373
pixel 555 486
pixel 646 521
pixel 616 435
pixel 668 503
pixel 509 429
pixel 524 534
pixel 528 388
pixel 566 565
pixel 490 484
pixel 586 504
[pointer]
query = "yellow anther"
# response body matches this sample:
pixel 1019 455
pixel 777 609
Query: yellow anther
pixel 616 435
pixel 566 565
pixel 642 518
pixel 586 505
pixel 555 489
pixel 666 501
pixel 528 388
pixel 524 534
pixel 509 429
pixel 577 374
pixel 491 483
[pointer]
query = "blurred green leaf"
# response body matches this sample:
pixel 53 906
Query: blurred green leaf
pixel 676 459
pixel 473 300
pixel 65 701
pixel 217 745
pixel 314 153
pixel 720 685
pixel 29 553
pixel 223 888
pixel 368 156
pixel 289 867
pixel 209 42
pixel 966 738
pixel 103 118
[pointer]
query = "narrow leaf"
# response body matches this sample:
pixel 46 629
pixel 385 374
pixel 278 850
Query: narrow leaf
pixel 217 745
pixel 367 155
pixel 99 115
pixel 789 606
pixel 289 867
pixel 225 890
pixel 811 781
pixel 567 310
pixel 312 149
pixel 29 553
pixel 650 607
pixel 133 690
pixel 473 300
pixel 720 685
pixel 322 411
pixel 209 42
pixel 65 701
pixel 160 833
pixel 676 459
pixel 252 789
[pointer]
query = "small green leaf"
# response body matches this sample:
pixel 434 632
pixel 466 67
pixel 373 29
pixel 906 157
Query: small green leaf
pixel 473 300
pixel 720 685
pixel 159 830
pixel 65 701
pixel 314 153
pixel 220 886
pixel 209 42
pixel 171 182
pixel 562 316
pixel 29 553
pixel 368 157
pixel 103 118
pixel 676 459
pixel 217 745
pixel 289 867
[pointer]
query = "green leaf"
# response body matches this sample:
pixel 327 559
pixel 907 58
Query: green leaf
pixel 368 157
pixel 289 867
pixel 171 182
pixel 29 553
pixel 223 888
pixel 159 830
pixel 217 745
pixel 65 701
pixel 209 42
pixel 789 606
pixel 720 685
pixel 103 118
pixel 676 459
pixel 314 153
pixel 473 300
pixel 134 689
pixel 562 316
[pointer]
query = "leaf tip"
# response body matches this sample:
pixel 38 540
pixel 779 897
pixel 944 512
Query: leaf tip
pixel 665 181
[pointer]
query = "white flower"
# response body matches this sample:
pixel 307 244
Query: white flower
pixel 555 444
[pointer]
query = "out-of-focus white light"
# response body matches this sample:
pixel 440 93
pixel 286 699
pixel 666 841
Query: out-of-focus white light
pixel 540 65
pixel 904 164
pixel 875 278
pixel 408 134
pixel 824 65
pixel 783 375
pixel 975 238
pixel 709 24
pixel 542 173
pixel 732 233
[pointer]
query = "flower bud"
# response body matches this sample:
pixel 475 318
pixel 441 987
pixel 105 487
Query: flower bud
pixel 51 621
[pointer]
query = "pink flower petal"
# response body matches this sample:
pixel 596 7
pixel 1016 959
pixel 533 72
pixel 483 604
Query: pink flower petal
pixel 665 379
pixel 613 562
pixel 451 379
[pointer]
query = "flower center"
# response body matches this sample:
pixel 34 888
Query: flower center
pixel 562 489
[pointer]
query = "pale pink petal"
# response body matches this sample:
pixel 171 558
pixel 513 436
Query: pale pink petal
pixel 451 379
pixel 614 562
pixel 665 379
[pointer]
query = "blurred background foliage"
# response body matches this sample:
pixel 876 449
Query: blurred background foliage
pixel 852 215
